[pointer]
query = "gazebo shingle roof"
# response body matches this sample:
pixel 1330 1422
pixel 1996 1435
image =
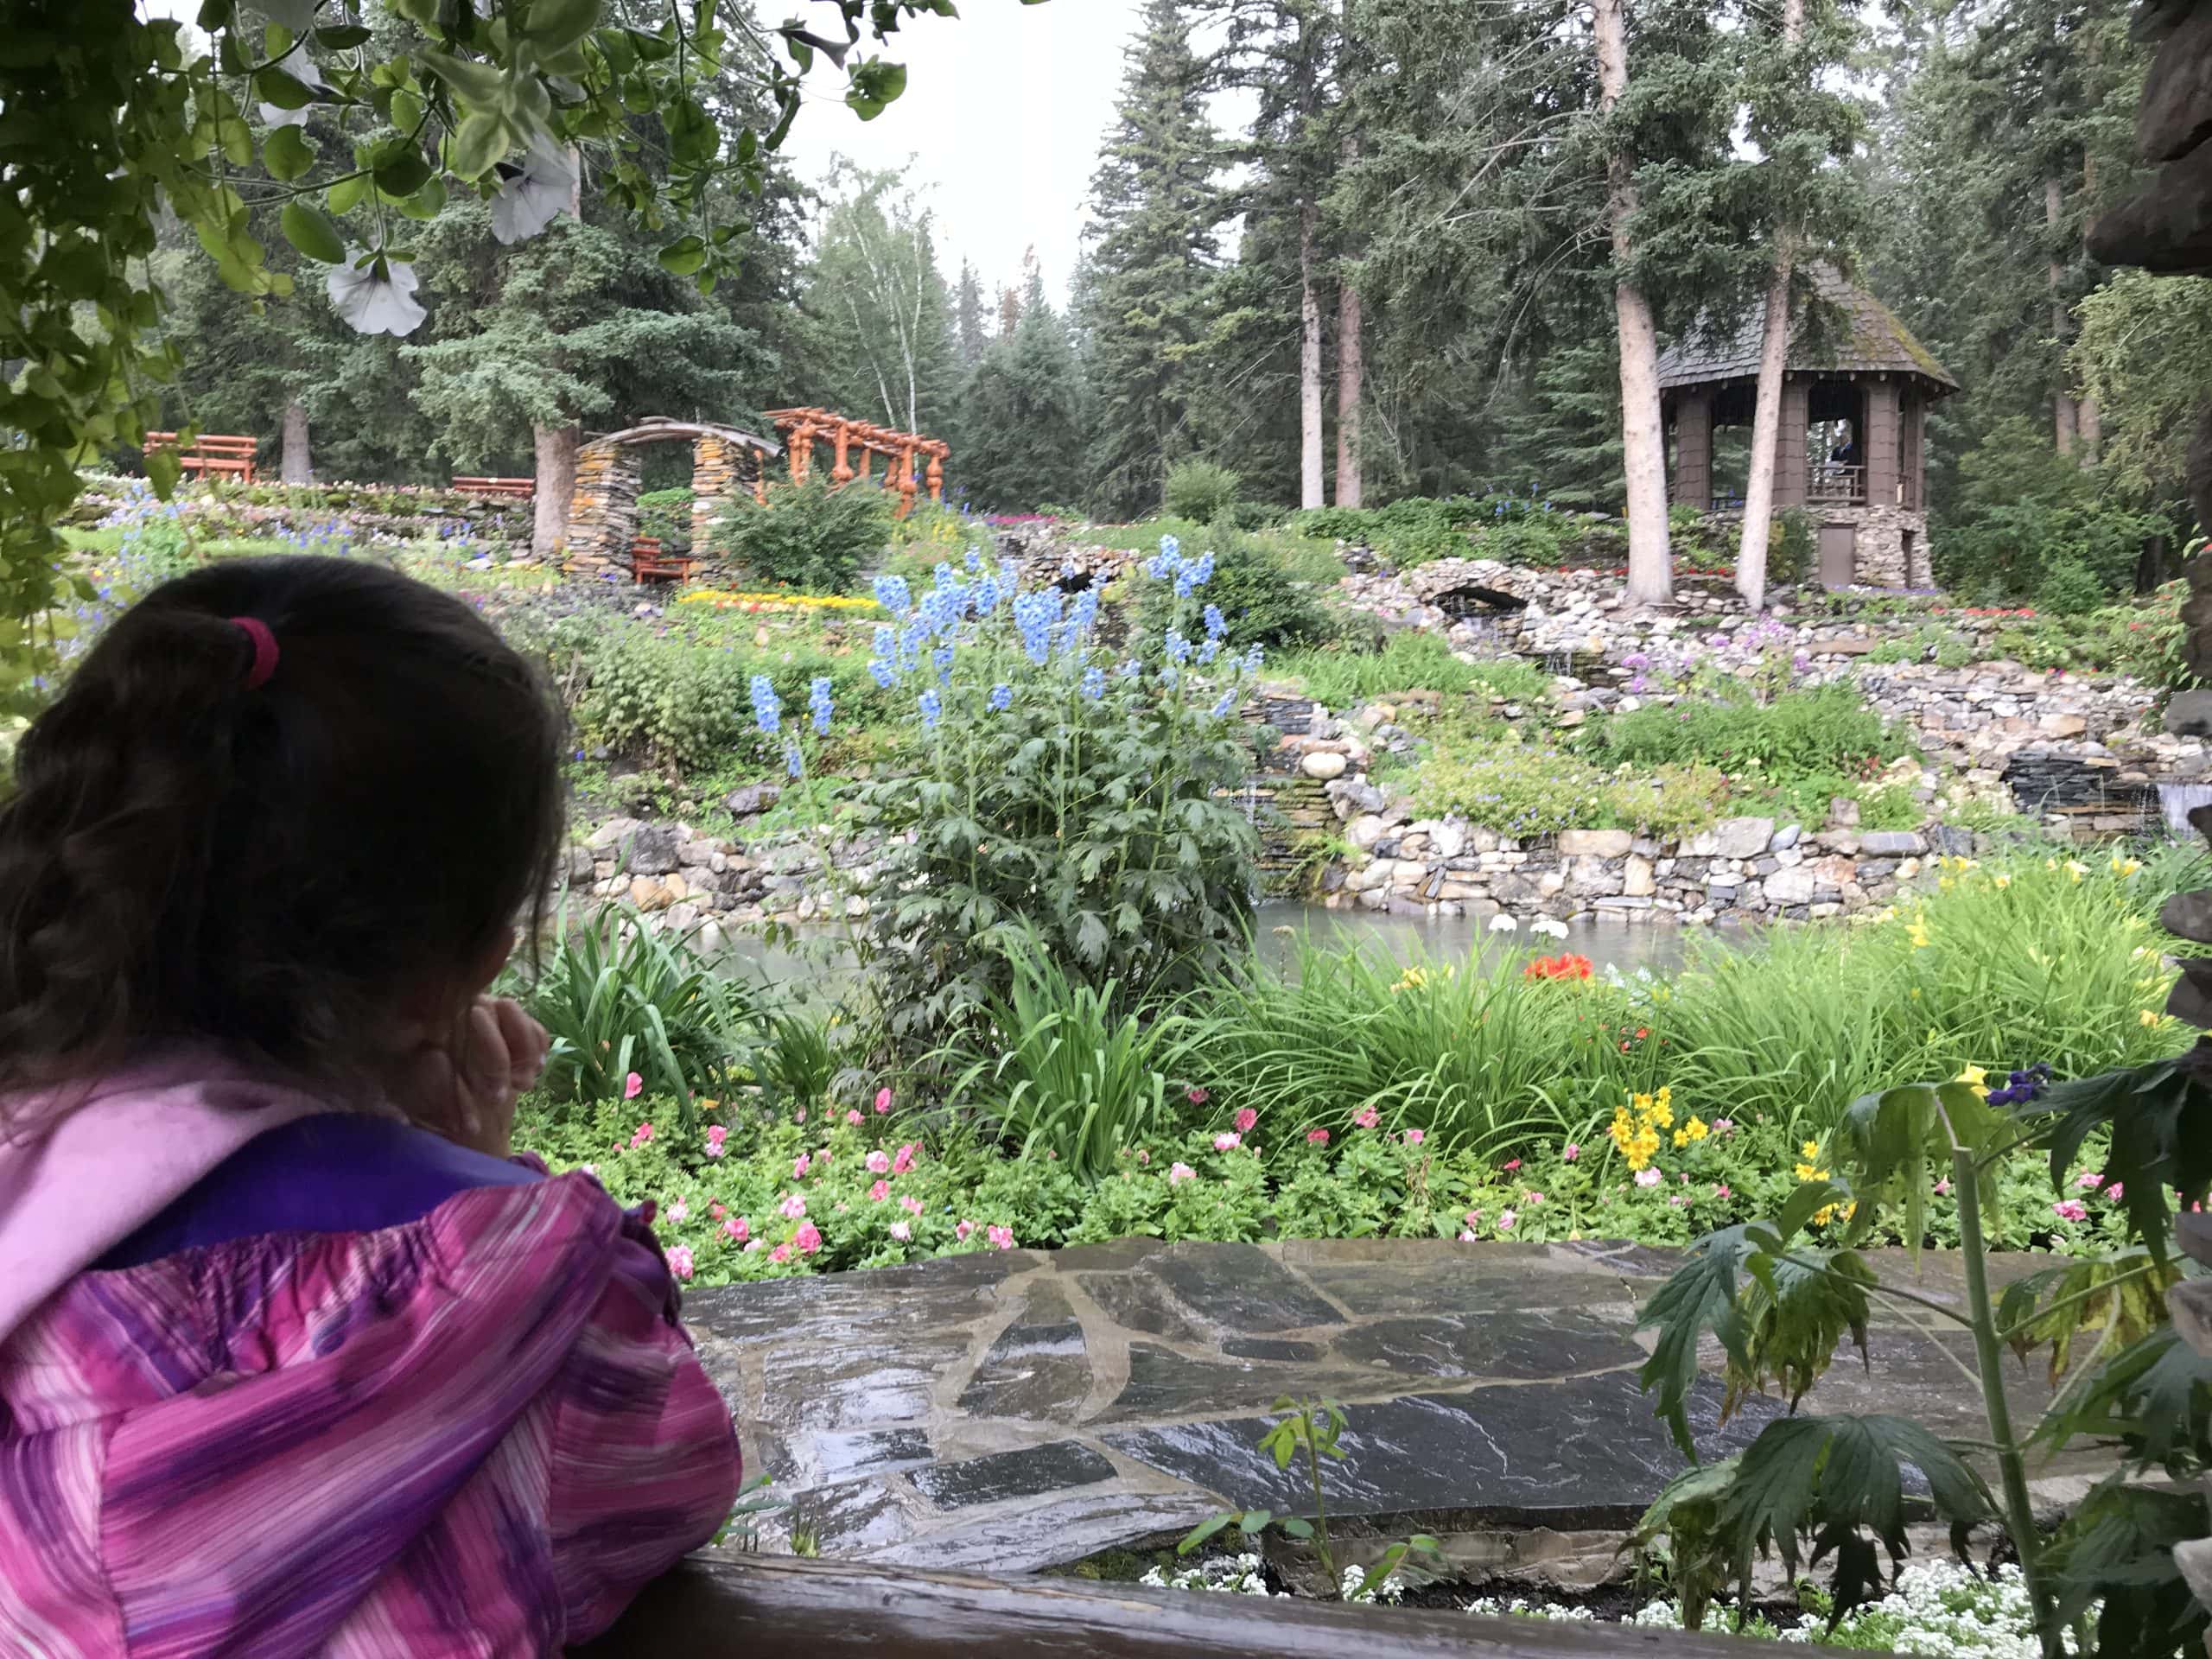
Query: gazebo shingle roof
pixel 1863 336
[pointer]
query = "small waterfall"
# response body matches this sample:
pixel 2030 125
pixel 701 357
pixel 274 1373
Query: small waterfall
pixel 2175 802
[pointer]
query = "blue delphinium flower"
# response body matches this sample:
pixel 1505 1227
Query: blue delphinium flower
pixel 1178 648
pixel 943 574
pixel 818 700
pixel 1226 707
pixel 941 659
pixel 1208 651
pixel 932 708
pixel 1202 572
pixel 767 707
pixel 1170 676
pixel 1034 615
pixel 1216 624
pixel 1084 613
pixel 974 561
pixel 883 674
pixel 910 648
pixel 1001 698
pixel 794 762
pixel 987 596
pixel 893 593
pixel 1253 658
pixel 1129 669
pixel 1094 682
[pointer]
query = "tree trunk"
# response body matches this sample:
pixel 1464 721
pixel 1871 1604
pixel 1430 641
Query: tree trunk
pixel 1351 373
pixel 556 483
pixel 1650 575
pixel 2089 426
pixel 297 467
pixel 1766 405
pixel 1309 363
pixel 2066 416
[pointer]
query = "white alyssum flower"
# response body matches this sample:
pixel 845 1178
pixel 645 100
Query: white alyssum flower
pixel 1231 1574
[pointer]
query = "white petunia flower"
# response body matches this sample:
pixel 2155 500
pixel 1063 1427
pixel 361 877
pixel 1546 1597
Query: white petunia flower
pixel 532 195
pixel 1502 923
pixel 377 298
pixel 302 69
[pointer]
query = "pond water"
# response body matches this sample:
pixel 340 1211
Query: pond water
pixel 1282 924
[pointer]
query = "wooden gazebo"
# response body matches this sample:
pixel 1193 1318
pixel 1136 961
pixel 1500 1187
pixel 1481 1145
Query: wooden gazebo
pixel 1852 450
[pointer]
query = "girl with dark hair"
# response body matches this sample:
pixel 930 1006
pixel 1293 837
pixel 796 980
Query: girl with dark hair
pixel 293 1358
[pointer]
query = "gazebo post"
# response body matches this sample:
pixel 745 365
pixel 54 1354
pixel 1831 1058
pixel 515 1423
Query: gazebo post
pixel 937 453
pixel 841 475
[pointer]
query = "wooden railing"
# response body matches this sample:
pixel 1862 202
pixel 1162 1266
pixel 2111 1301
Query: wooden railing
pixel 1834 480
pixel 782 1607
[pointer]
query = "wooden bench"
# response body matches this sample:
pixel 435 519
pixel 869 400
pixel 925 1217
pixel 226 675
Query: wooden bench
pixel 649 563
pixel 512 489
pixel 212 454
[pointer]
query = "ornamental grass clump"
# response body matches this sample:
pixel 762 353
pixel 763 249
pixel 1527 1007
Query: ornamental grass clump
pixel 1074 797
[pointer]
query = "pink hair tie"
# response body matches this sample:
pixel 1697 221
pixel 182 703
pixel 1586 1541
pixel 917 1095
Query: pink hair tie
pixel 264 650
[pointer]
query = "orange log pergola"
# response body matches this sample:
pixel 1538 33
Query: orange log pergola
pixel 850 441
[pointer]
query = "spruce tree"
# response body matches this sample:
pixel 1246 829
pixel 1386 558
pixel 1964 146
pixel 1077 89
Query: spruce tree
pixel 1148 289
pixel 1026 413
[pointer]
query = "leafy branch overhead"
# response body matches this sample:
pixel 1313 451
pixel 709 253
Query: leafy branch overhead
pixel 361 120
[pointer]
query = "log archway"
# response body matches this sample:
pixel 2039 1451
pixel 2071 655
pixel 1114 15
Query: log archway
pixel 603 510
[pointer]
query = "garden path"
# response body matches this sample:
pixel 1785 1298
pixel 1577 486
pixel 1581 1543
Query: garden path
pixel 1020 1409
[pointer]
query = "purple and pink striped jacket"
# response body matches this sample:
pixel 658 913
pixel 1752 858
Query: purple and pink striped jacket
pixel 472 1433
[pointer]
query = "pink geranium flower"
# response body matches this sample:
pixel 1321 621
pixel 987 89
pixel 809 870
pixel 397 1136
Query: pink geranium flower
pixel 751 1245
pixel 902 1230
pixel 879 1162
pixel 792 1207
pixel 2070 1209
pixel 1367 1117
pixel 808 1238
pixel 1721 1190
pixel 882 1101
pixel 679 1260
pixel 2116 1191
pixel 1144 1156
pixel 1943 1187
pixel 716 1134
pixel 1510 1164
pixel 781 1253
pixel 852 1116
pixel 1505 1220
pixel 716 1212
pixel 1227 1141
pixel 1317 1137
pixel 632 1086
pixel 879 1191
pixel 1467 1237
pixel 1181 1172
pixel 2090 1179
pixel 911 1204
pixel 905 1160
pixel 1414 1137
pixel 962 1231
pixel 800 1165
pixel 1648 1178
pixel 1474 1217
pixel 739 1228
pixel 1000 1237
pixel 678 1210
pixel 1532 1197
pixel 1196 1096
pixel 644 1133
pixel 1569 1153
pixel 1244 1121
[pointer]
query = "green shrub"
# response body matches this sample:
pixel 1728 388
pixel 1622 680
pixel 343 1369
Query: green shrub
pixel 665 703
pixel 1825 730
pixel 1792 546
pixel 1264 603
pixel 618 998
pixel 809 537
pixel 1254 515
pixel 2068 587
pixel 2144 639
pixel 1200 491
pixel 665 515
pixel 1517 790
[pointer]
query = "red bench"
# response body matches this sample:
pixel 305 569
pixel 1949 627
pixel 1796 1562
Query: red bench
pixel 215 453
pixel 649 563
pixel 512 489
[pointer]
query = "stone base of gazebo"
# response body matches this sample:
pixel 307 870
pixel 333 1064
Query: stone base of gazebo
pixel 1857 545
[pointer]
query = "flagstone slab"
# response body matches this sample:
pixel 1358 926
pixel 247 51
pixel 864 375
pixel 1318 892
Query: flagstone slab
pixel 1020 1409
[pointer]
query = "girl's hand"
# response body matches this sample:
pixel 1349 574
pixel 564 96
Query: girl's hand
pixel 465 1088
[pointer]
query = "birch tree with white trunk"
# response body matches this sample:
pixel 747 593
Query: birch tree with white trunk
pixel 1766 407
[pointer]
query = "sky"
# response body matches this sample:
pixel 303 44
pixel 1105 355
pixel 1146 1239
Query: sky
pixel 1002 114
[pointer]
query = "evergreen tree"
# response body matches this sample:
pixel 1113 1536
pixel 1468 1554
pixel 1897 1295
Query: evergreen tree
pixel 1025 413
pixel 968 334
pixel 1148 292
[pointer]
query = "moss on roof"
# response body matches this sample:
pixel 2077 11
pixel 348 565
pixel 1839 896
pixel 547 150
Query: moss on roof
pixel 1844 330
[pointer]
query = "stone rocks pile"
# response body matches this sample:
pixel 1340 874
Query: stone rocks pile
pixel 687 881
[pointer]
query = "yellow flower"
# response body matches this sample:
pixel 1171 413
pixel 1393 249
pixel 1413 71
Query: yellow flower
pixel 1944 884
pixel 2076 869
pixel 1972 1076
pixel 2000 879
pixel 2124 866
pixel 1696 1128
pixel 1682 1137
pixel 1810 1149
pixel 2149 1017
pixel 1662 1117
pixel 1808 1172
pixel 1918 933
pixel 1915 993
